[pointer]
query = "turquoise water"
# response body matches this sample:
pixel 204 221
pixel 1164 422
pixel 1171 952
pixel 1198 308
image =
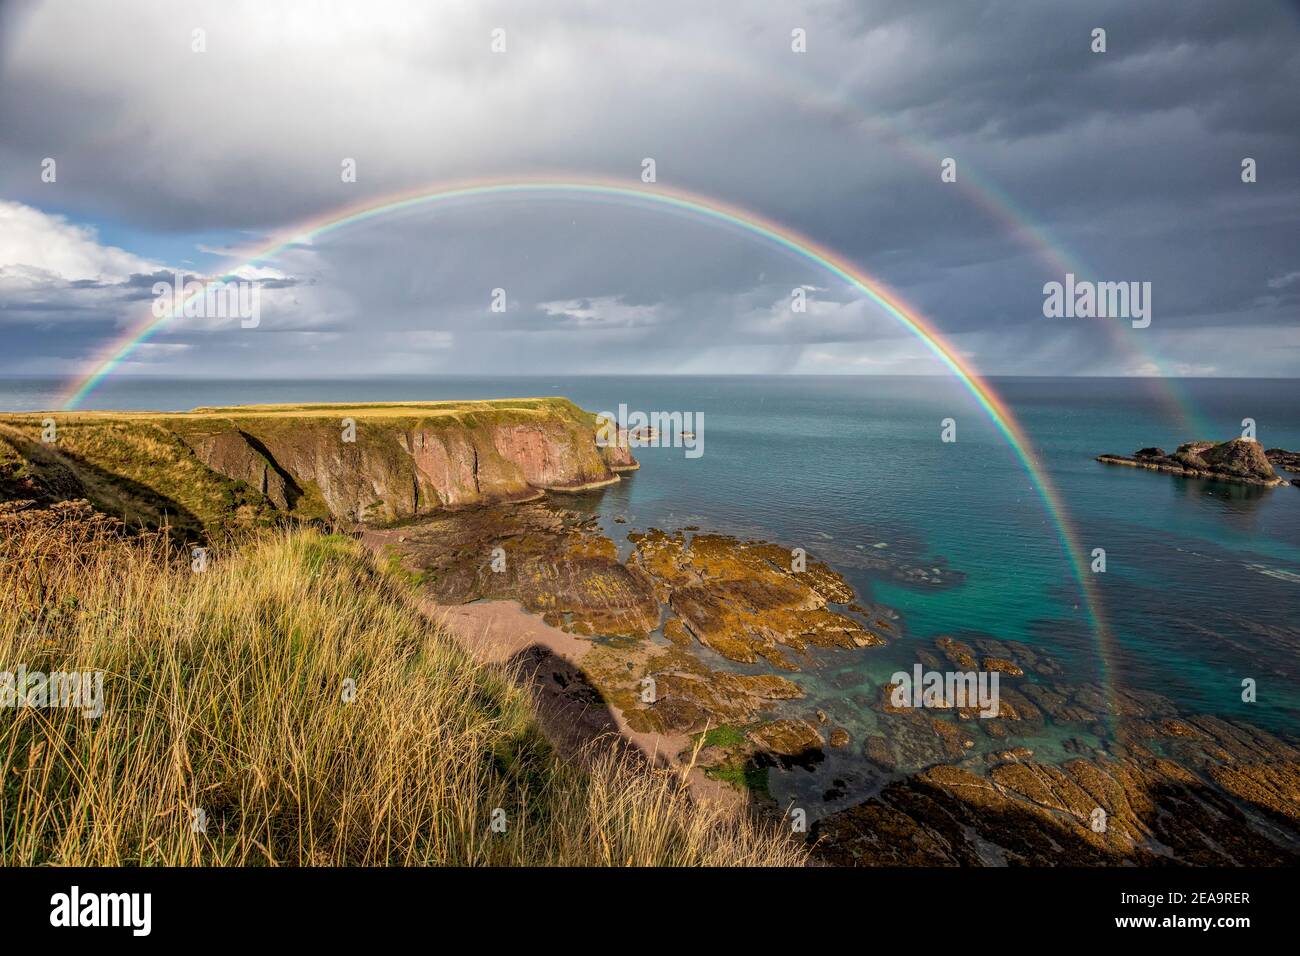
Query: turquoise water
pixel 1202 585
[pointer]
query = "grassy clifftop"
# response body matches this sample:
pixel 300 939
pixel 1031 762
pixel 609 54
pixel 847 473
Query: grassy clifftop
pixel 294 701
pixel 469 412
pixel 135 468
pixel 219 468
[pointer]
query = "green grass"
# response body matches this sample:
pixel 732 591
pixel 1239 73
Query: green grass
pixel 745 777
pixel 724 736
pixel 395 568
pixel 138 471
pixel 224 691
pixel 739 771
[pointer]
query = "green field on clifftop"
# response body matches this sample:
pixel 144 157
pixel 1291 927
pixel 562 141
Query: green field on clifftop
pixel 142 467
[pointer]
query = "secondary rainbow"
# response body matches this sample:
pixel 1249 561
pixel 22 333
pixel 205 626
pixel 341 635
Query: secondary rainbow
pixel 711 209
pixel 805 92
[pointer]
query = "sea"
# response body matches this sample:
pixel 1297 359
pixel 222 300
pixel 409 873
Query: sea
pixel 1199 597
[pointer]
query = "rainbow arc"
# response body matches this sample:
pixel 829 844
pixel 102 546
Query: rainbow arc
pixel 708 209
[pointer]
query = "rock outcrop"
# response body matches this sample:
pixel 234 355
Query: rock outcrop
pixel 1196 791
pixel 1239 460
pixel 552 561
pixel 619 457
pixel 745 600
pixel 232 453
pixel 1286 460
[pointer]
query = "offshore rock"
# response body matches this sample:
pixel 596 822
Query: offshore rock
pixel 1239 460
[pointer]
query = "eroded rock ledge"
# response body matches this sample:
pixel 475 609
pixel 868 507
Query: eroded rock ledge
pixel 1238 460
pixel 940 785
pixel 1286 460
pixel 658 615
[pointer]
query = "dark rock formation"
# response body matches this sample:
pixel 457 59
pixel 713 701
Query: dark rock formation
pixel 552 561
pixel 1239 460
pixel 1286 460
pixel 1228 799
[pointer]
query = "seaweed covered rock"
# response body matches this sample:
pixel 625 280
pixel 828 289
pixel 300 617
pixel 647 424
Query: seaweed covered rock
pixel 746 600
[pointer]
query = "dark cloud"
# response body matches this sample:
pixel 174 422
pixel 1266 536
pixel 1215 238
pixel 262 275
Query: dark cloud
pixel 1118 166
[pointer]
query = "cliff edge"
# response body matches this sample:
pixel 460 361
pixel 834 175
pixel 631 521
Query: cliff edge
pixel 376 462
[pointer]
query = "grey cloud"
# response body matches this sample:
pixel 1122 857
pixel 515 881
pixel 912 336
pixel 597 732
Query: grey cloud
pixel 1123 166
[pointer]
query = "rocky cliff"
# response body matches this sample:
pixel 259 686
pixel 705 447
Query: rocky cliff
pixel 373 462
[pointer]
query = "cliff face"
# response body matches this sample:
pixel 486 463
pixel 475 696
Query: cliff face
pixel 619 457
pixel 230 453
pixel 397 462
pixel 377 462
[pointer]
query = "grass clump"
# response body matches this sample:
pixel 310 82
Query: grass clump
pixel 747 777
pixel 226 692
pixel 724 736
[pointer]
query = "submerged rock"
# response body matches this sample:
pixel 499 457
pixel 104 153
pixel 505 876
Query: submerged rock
pixel 790 738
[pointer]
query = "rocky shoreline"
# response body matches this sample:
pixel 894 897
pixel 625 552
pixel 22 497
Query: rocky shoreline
pixel 693 643
pixel 697 647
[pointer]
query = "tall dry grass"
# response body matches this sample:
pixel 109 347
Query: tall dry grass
pixel 224 693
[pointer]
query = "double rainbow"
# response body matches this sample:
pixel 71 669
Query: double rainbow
pixel 709 209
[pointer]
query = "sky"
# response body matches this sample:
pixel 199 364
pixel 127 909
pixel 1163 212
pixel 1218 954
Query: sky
pixel 182 133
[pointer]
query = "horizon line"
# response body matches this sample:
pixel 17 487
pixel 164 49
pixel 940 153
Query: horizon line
pixel 162 376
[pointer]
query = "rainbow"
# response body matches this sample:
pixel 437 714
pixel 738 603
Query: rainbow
pixel 800 89
pixel 709 209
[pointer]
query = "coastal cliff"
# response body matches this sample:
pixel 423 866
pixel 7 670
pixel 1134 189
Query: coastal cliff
pixel 690 646
pixel 370 462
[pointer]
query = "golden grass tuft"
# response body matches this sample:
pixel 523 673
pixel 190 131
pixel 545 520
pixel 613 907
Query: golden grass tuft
pixel 224 692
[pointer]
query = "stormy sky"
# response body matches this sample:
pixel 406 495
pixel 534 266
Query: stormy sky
pixel 1117 166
